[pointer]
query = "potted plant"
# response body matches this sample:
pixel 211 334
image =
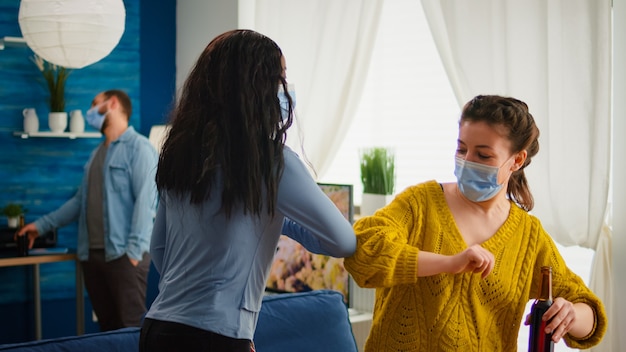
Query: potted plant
pixel 13 211
pixel 378 175
pixel 55 77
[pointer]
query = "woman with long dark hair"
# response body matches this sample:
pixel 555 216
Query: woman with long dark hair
pixel 228 188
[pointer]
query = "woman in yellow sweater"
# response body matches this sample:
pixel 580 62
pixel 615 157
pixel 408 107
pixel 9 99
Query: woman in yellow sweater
pixel 455 264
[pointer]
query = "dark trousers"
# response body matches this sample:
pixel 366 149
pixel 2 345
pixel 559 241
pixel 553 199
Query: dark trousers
pixel 117 289
pixel 164 336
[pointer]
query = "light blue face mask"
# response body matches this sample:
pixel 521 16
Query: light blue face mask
pixel 94 118
pixel 476 181
pixel 282 98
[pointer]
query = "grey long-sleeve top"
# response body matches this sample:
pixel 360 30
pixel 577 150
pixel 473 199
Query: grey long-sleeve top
pixel 213 270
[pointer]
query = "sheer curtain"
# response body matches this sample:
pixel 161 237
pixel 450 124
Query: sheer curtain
pixel 555 56
pixel 327 45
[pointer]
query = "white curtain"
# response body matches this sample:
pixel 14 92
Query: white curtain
pixel 556 56
pixel 327 45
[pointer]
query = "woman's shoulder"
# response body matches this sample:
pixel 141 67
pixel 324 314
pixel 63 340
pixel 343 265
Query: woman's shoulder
pixel 519 212
pixel 534 230
pixel 427 188
pixel 293 164
pixel 424 196
pixel 288 153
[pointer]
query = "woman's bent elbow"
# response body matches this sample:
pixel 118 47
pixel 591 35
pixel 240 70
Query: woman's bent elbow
pixel 346 248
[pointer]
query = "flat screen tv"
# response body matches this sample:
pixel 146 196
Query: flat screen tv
pixel 295 269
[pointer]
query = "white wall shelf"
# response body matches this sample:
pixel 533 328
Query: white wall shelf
pixel 12 42
pixel 50 134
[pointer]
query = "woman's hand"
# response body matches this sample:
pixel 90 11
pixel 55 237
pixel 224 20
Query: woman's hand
pixel 565 317
pixel 561 316
pixel 474 259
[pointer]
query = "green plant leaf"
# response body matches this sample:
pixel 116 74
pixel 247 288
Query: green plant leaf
pixel 55 77
pixel 378 173
pixel 13 209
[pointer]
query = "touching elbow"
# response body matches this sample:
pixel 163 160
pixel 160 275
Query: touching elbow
pixel 346 248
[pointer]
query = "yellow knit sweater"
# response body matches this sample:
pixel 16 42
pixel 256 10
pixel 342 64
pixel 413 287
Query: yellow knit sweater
pixel 459 312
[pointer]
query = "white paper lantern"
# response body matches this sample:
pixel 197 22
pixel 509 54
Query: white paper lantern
pixel 72 33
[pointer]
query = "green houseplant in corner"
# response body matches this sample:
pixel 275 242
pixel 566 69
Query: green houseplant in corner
pixel 378 176
pixel 13 211
pixel 55 77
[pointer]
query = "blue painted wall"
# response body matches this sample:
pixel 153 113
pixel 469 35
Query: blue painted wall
pixel 158 61
pixel 42 173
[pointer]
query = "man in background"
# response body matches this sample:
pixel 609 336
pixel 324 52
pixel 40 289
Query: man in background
pixel 115 207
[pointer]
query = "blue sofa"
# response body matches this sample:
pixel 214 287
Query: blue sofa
pixel 304 322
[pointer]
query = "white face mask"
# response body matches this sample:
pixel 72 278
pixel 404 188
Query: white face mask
pixel 284 103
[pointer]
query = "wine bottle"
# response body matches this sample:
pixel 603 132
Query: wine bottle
pixel 539 340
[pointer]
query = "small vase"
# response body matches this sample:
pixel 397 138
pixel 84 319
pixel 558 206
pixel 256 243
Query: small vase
pixel 57 121
pixel 31 121
pixel 13 221
pixel 77 122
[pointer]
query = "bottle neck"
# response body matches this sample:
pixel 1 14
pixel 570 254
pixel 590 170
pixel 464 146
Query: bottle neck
pixel 545 288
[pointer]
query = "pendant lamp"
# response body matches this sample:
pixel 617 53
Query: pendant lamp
pixel 72 33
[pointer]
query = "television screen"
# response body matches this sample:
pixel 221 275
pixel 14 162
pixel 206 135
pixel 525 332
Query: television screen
pixel 295 269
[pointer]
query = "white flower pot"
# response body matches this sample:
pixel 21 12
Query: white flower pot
pixel 13 221
pixel 57 121
pixel 372 202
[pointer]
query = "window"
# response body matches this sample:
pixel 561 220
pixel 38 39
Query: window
pixel 407 104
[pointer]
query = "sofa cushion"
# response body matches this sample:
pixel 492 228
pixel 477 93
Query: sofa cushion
pixel 122 340
pixel 305 322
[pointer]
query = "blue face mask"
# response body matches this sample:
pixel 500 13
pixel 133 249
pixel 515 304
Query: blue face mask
pixel 284 103
pixel 476 181
pixel 94 118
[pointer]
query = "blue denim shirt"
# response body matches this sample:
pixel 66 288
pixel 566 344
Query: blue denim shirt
pixel 130 199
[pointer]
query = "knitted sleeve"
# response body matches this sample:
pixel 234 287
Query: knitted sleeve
pixel 383 257
pixel 570 286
